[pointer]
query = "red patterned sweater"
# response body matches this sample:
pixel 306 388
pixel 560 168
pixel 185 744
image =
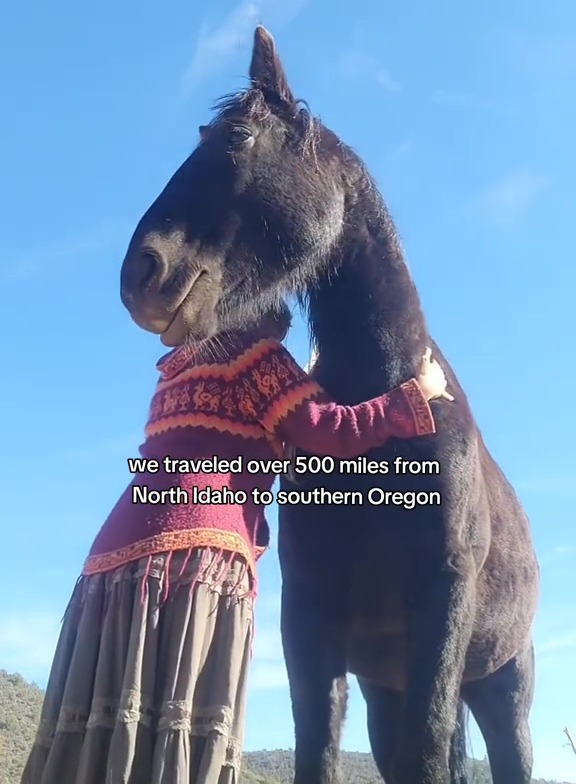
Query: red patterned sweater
pixel 246 398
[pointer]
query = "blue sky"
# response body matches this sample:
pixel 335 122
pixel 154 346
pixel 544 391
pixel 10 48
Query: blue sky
pixel 466 115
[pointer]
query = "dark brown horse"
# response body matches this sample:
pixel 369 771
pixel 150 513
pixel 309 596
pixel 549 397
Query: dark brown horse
pixel 430 605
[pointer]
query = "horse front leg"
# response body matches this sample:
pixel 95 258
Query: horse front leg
pixel 316 667
pixel 440 627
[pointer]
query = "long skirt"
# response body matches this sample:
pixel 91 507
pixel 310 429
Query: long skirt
pixel 148 683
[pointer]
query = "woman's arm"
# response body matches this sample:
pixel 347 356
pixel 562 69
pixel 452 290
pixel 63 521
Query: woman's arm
pixel 327 428
pixel 300 413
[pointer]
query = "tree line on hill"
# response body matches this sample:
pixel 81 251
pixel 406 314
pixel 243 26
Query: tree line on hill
pixel 20 704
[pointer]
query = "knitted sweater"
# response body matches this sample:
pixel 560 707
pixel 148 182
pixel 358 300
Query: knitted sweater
pixel 246 398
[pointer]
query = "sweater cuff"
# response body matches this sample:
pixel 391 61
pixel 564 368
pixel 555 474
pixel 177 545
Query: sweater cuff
pixel 421 411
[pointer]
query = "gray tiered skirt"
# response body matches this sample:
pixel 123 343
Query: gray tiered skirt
pixel 148 683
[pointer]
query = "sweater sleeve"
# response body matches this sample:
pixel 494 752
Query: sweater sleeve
pixel 295 409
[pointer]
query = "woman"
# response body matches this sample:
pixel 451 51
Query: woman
pixel 148 683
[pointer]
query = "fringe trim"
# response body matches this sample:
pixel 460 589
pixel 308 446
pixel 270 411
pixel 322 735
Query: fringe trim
pixel 214 568
pixel 173 540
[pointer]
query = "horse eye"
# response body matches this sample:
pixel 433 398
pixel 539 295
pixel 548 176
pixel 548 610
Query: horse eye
pixel 239 135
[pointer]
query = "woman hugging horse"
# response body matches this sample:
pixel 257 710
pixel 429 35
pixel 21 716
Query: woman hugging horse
pixel 149 679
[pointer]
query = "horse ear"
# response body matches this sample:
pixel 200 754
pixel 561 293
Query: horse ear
pixel 266 71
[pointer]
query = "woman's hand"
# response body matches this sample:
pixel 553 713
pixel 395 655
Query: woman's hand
pixel 431 378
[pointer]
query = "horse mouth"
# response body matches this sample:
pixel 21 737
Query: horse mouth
pixel 176 331
pixel 166 337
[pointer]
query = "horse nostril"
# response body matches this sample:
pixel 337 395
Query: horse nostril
pixel 148 266
pixel 127 297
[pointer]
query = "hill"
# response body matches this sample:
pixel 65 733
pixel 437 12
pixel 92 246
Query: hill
pixel 20 704
pixel 275 767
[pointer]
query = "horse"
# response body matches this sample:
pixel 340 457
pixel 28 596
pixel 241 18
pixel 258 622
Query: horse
pixel 428 600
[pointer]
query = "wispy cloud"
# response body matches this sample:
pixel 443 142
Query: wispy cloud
pixel 559 642
pixel 26 264
pixel 216 44
pixel 355 64
pixel 402 148
pixel 452 99
pixel 555 632
pixel 398 151
pixel 558 553
pixel 505 199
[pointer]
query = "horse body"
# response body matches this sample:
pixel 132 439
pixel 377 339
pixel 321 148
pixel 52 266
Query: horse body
pixel 379 551
pixel 382 545
pixel 373 582
pixel 432 606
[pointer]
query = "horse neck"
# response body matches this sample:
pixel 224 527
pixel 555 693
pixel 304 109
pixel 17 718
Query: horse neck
pixel 365 317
